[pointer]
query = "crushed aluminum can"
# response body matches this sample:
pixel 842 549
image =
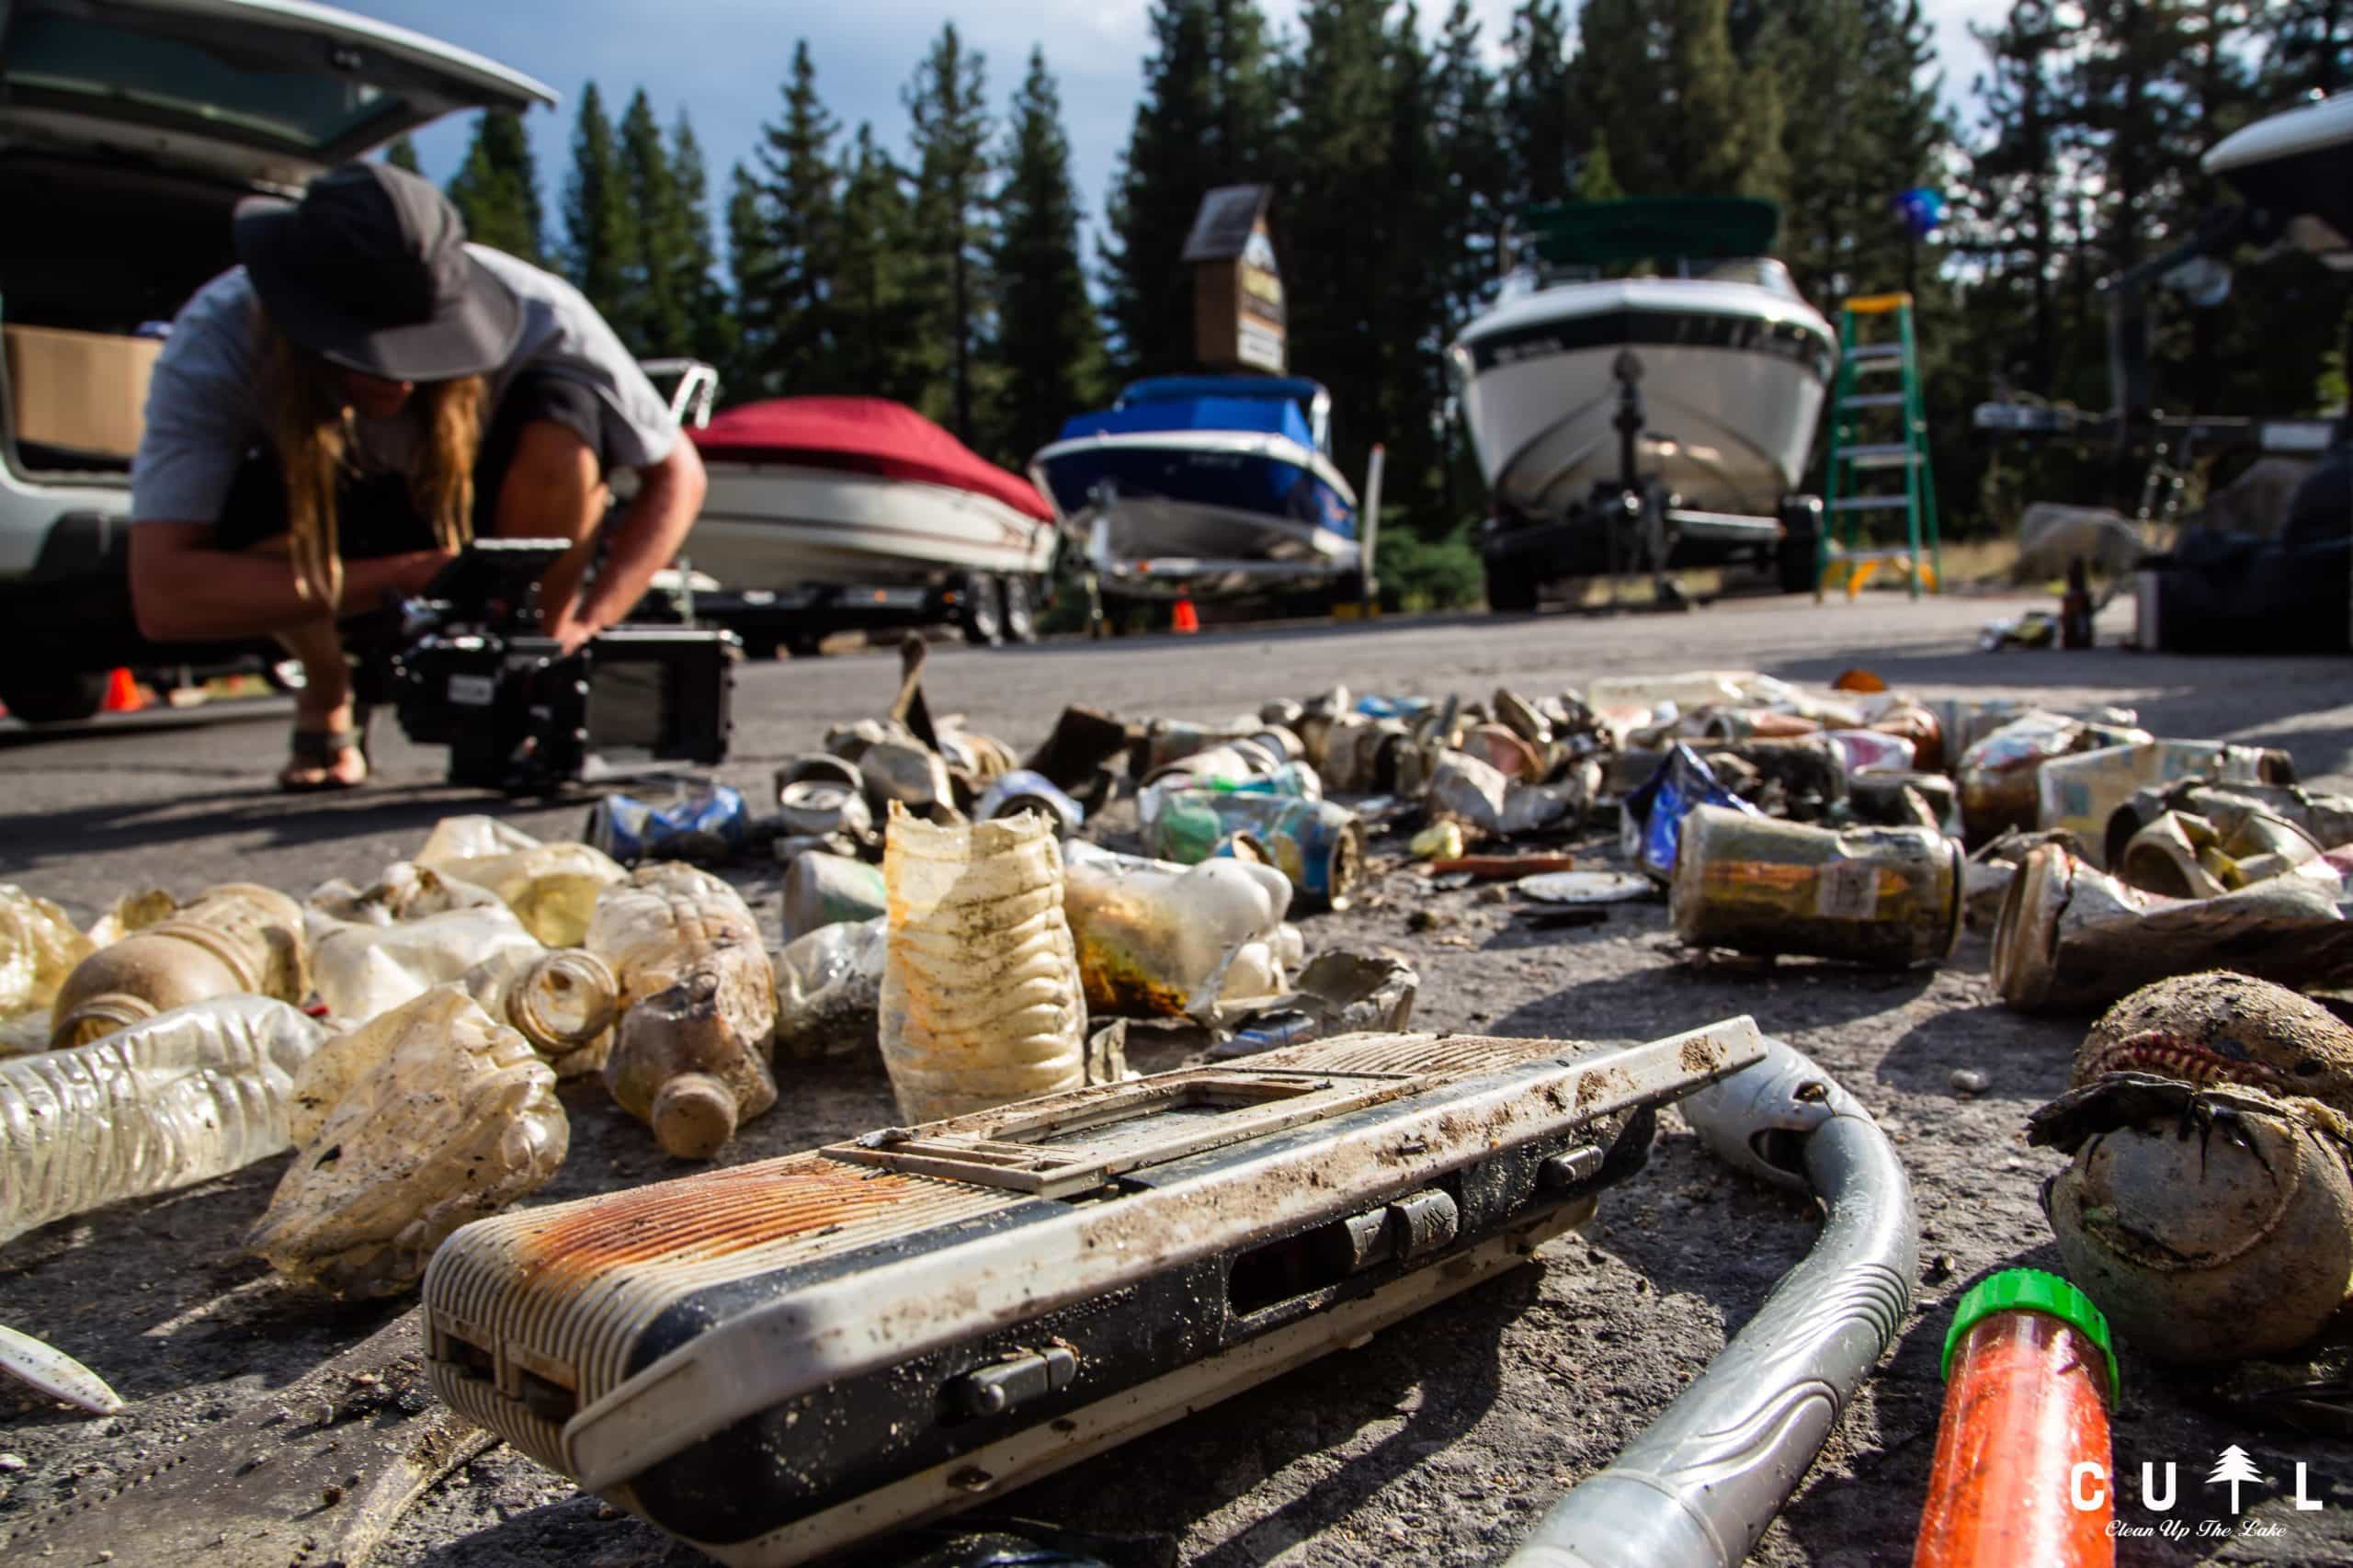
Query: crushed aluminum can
pixel 706 824
pixel 1023 790
pixel 1652 817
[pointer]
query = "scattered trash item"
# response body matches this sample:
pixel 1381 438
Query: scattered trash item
pixel 690 1057
pixel 826 890
pixel 2220 1028
pixel 1468 789
pixel 1084 740
pixel 1502 867
pixel 829 990
pixel 1319 844
pixel 1987 875
pixel 2030 1378
pixel 2071 936
pixel 1156 937
pixel 981 999
pixel 2187 856
pixel 822 804
pixel 239 938
pixel 1502 749
pixel 705 823
pixel 46 1369
pixel 39 947
pixel 1885 896
pixel 2209 1224
pixel 564 1000
pixel 1968 1081
pixel 2034 628
pixel 247 1490
pixel 1025 791
pixel 2080 793
pixel 1588 887
pixel 1805 775
pixel 1652 817
pixel 131 912
pixel 1039 1546
pixel 1339 994
pixel 2326 819
pixel 1858 679
pixel 181 1097
pixel 1465 1153
pixel 459 1121
pixel 1439 841
pixel 1998 775
pixel 551 888
pixel 375 948
pixel 1871 751
pixel 1900 799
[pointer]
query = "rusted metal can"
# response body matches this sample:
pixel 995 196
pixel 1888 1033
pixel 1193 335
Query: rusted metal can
pixel 1885 896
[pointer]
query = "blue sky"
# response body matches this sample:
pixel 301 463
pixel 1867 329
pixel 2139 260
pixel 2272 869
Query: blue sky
pixel 722 60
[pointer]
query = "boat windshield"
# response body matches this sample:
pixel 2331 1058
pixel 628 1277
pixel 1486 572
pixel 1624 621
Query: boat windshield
pixel 1758 271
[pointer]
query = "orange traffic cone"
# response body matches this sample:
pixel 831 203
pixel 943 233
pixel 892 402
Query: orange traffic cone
pixel 1186 621
pixel 122 693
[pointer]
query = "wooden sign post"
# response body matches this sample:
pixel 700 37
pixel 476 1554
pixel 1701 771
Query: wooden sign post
pixel 1238 316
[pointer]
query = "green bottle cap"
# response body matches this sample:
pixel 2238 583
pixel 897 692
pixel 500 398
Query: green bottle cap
pixel 2032 1291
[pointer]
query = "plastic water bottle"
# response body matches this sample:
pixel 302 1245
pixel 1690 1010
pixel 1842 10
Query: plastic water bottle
pixel 1161 938
pixel 239 938
pixel 181 1098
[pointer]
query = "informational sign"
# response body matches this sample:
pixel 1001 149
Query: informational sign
pixel 1238 314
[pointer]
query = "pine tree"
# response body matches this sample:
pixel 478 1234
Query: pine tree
pixel 2310 49
pixel 401 155
pixel 1410 310
pixel 782 300
pixel 1051 346
pixel 1471 200
pixel 1618 91
pixel 1596 181
pixel 496 188
pixel 1207 118
pixel 947 105
pixel 711 326
pixel 1539 116
pixel 600 249
pixel 877 347
pixel 751 262
pixel 656 321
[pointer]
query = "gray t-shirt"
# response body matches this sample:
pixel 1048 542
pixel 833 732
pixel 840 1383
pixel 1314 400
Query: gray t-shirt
pixel 205 411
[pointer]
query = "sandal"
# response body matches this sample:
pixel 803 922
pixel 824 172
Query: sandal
pixel 322 749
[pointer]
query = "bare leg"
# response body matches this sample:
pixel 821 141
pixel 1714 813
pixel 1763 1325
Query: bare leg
pixel 552 490
pixel 324 705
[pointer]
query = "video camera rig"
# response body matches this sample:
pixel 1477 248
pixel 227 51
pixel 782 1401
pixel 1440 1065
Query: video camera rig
pixel 465 665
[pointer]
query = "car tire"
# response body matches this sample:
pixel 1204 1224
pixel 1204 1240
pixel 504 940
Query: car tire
pixel 56 698
pixel 1511 590
pixel 1020 609
pixel 981 609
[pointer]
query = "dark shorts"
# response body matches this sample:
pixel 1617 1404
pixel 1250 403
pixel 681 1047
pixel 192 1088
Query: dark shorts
pixel 374 513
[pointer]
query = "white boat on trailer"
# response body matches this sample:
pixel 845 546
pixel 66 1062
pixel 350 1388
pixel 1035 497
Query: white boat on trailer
pixel 1645 422
pixel 825 512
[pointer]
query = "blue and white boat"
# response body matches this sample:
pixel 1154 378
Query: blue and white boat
pixel 1193 486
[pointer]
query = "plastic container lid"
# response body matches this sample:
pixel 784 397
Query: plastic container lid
pixel 2032 1291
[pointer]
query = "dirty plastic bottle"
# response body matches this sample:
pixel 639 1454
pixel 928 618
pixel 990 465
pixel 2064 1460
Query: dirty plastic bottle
pixel 373 949
pixel 829 989
pixel 981 1001
pixel 236 939
pixel 690 1057
pixel 1156 937
pixel 564 1000
pixel 39 947
pixel 551 888
pixel 2029 1378
pixel 181 1098
pixel 458 1120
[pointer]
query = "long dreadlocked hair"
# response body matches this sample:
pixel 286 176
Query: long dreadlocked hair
pixel 310 427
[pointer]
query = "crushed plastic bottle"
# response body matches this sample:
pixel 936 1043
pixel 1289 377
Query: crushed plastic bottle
pixel 39 947
pixel 690 1057
pixel 564 1000
pixel 374 949
pixel 457 1120
pixel 181 1098
pixel 236 939
pixel 1160 938
pixel 829 989
pixel 551 888
pixel 982 1001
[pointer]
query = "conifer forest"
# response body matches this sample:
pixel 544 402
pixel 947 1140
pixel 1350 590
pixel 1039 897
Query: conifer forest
pixel 960 270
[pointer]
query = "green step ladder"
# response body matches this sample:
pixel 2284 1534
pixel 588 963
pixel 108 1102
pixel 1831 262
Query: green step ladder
pixel 1874 432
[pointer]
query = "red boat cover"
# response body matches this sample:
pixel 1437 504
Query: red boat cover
pixel 870 435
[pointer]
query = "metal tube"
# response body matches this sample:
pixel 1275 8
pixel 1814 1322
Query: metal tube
pixel 1700 1485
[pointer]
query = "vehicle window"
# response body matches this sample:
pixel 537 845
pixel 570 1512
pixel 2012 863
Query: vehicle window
pixel 83 61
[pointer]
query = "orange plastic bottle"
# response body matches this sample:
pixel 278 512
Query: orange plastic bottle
pixel 2029 1375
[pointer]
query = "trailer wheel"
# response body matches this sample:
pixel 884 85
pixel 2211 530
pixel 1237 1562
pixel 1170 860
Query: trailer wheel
pixel 1511 590
pixel 1800 554
pixel 981 608
pixel 53 698
pixel 1020 619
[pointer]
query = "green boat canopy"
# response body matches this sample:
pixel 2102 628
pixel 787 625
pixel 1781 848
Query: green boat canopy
pixel 1653 228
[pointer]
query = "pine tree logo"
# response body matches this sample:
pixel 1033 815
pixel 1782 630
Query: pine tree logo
pixel 2234 1467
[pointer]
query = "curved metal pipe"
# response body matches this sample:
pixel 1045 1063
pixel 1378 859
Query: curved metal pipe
pixel 1700 1485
